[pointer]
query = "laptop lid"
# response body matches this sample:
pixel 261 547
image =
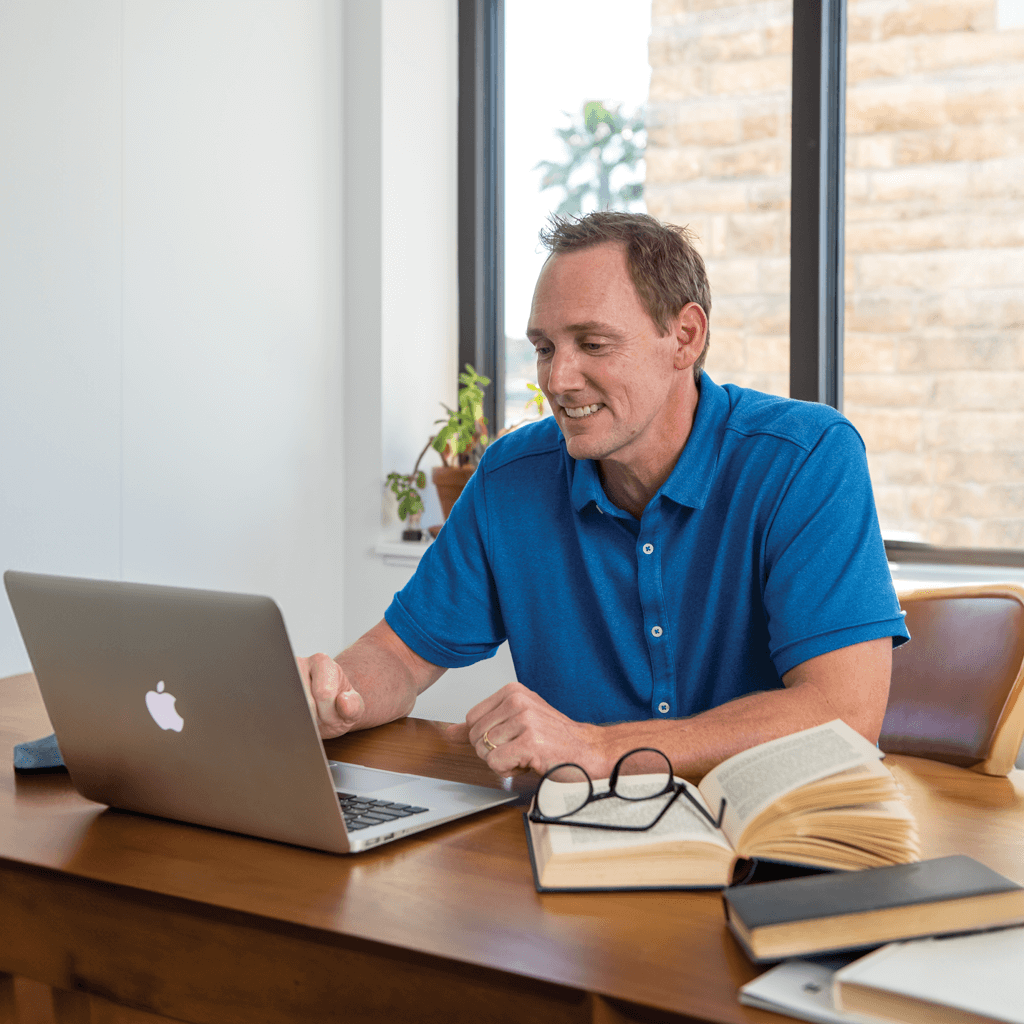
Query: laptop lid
pixel 187 704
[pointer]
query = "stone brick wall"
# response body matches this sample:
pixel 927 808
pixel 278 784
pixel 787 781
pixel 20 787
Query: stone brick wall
pixel 718 159
pixel 934 230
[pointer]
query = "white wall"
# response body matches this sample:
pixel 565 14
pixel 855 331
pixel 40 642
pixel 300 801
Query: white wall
pixel 206 286
pixel 60 293
pixel 420 331
pixel 412 265
pixel 170 298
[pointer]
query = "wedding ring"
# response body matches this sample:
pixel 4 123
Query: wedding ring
pixel 487 743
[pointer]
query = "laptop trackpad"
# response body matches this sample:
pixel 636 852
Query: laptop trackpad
pixel 354 778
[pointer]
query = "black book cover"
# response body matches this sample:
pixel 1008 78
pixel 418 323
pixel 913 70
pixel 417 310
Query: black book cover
pixel 857 892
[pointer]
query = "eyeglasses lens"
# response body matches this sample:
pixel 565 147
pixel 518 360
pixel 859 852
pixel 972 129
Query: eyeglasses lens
pixel 563 792
pixel 643 774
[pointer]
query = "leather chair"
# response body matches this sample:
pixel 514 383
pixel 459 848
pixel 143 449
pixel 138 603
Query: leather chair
pixel 957 692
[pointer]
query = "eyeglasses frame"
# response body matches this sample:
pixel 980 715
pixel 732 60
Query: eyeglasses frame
pixel 537 816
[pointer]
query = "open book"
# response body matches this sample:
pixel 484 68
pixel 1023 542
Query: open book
pixel 820 797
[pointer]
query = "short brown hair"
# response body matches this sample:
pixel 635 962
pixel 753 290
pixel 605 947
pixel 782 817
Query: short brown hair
pixel 666 269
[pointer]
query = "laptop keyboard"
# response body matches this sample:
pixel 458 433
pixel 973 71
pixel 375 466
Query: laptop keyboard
pixel 361 812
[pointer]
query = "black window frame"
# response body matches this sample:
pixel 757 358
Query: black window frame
pixel 816 296
pixel 481 210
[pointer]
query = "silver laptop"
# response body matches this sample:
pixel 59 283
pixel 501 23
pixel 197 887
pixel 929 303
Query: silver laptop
pixel 187 704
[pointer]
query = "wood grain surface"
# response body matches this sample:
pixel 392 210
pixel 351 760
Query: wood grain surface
pixel 201 925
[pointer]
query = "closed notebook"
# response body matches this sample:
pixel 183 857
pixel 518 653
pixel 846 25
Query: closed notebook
pixel 965 979
pixel 861 909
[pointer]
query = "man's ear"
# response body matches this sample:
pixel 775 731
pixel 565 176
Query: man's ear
pixel 691 330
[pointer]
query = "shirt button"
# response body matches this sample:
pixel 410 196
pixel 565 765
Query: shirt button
pixel 648 549
pixel 664 708
pixel 656 631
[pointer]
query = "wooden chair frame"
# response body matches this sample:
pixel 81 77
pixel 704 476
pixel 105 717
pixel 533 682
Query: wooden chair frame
pixel 1004 742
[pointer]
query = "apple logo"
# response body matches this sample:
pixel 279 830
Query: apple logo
pixel 161 707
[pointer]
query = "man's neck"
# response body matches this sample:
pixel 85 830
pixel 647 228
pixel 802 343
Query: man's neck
pixel 629 489
pixel 630 484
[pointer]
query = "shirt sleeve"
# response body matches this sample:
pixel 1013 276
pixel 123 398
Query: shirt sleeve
pixel 827 582
pixel 448 613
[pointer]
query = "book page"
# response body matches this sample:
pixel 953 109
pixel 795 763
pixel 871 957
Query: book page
pixel 681 822
pixel 865 835
pixel 753 779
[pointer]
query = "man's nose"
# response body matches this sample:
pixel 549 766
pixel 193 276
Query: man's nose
pixel 564 374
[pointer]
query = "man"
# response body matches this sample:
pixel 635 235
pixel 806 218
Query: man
pixel 674 564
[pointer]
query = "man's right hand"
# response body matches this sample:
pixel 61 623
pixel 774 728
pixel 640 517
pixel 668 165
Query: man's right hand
pixel 388 674
pixel 337 705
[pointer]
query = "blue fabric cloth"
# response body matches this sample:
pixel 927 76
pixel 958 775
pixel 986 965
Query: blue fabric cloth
pixel 39 755
pixel 760 551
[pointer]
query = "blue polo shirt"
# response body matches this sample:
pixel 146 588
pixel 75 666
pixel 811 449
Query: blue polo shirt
pixel 760 551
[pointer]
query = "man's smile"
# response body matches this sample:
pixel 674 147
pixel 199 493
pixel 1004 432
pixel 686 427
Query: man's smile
pixel 581 411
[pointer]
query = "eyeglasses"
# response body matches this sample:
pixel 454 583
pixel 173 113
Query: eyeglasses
pixel 633 779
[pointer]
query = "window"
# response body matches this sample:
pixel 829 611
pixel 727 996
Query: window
pixel 576 85
pixel 902 133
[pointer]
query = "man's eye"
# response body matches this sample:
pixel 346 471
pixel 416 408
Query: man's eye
pixel 543 351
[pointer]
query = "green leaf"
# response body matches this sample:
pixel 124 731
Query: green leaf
pixel 443 435
pixel 409 505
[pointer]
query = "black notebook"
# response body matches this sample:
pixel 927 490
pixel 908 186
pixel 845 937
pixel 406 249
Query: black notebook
pixel 860 909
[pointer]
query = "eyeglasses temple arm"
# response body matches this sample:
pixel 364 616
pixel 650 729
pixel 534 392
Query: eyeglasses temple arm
pixel 703 812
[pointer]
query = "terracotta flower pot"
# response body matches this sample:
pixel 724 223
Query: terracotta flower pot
pixel 449 481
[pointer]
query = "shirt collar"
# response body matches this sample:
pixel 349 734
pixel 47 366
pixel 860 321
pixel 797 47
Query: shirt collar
pixel 690 481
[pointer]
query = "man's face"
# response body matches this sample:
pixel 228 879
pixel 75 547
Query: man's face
pixel 612 379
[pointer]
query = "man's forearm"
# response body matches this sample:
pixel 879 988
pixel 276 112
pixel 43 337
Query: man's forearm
pixel 851 683
pixel 515 730
pixel 387 675
pixel 696 745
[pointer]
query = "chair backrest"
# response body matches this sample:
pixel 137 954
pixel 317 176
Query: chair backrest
pixel 957 692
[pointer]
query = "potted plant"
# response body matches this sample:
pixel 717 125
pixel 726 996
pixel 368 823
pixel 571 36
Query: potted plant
pixel 462 439
pixel 460 442
pixel 406 488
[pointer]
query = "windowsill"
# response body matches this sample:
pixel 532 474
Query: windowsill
pixel 403 553
pixel 913 575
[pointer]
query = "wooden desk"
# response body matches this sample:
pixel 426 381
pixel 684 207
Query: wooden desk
pixel 205 926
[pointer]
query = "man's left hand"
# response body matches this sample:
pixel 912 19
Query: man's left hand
pixel 515 732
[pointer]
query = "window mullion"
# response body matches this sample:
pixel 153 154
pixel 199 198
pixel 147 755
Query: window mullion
pixel 818 183
pixel 481 209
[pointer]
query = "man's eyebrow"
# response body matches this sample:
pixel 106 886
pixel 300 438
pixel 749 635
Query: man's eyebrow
pixel 594 327
pixel 583 327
